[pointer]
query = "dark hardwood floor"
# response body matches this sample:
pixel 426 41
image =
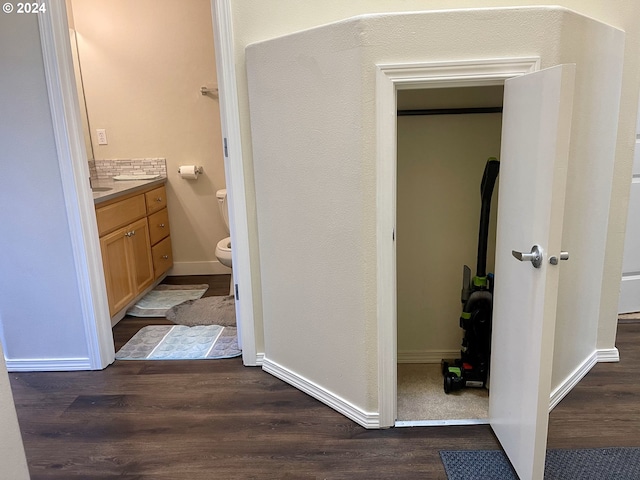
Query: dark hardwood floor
pixel 219 420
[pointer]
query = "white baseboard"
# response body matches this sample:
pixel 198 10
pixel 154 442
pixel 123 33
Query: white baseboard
pixel 366 419
pixel 199 268
pixel 254 361
pixel 602 355
pixel 48 365
pixel 608 355
pixel 426 356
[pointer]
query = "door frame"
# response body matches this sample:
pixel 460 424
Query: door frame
pixel 234 177
pixel 389 79
pixel 74 172
pixel 78 198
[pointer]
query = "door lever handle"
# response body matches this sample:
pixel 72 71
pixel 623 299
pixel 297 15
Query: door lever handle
pixel 535 256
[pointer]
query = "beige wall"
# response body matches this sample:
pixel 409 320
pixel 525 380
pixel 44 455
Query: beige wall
pixel 12 457
pixel 143 64
pixel 257 20
pixel 440 164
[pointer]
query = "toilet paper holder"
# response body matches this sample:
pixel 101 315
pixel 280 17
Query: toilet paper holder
pixel 199 170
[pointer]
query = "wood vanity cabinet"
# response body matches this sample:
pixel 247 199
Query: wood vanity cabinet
pixel 135 244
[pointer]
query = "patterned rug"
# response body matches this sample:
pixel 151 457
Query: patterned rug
pixel 163 297
pixel 583 464
pixel 180 342
pixel 215 310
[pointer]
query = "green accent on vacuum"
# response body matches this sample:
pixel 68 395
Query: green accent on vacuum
pixel 480 281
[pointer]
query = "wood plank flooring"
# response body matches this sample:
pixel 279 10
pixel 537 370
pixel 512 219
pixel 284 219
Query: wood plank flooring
pixel 219 420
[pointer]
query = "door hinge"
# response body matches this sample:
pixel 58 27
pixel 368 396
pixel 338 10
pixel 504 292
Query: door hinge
pixel 237 294
pixel 393 235
pixel 226 151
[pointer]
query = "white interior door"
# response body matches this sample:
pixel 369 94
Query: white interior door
pixel 534 157
pixel 630 286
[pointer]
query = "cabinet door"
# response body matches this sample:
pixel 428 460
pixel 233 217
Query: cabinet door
pixel 115 260
pixel 140 251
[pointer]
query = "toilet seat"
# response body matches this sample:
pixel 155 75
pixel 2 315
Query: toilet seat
pixel 224 245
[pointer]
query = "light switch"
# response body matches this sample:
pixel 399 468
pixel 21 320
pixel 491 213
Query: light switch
pixel 102 136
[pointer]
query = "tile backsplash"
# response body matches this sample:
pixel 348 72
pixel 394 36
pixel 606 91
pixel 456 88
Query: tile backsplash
pixel 107 169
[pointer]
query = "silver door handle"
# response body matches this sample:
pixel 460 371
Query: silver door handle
pixel 535 256
pixel 563 256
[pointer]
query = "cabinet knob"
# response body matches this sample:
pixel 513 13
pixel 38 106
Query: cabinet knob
pixel 166 257
pixel 161 225
pixel 158 199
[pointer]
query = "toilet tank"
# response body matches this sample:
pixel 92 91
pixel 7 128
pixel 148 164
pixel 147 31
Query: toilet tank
pixel 222 205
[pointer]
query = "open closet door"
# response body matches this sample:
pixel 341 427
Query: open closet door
pixel 534 157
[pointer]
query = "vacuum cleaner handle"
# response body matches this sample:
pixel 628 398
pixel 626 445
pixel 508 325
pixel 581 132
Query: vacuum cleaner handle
pixel 489 177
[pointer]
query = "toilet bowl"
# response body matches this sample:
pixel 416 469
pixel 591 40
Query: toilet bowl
pixel 223 251
pixel 223 247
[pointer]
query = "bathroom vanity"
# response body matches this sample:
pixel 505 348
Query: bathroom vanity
pixel 133 225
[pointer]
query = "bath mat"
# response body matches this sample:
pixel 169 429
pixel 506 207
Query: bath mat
pixel 205 311
pixel 585 464
pixel 163 297
pixel 179 342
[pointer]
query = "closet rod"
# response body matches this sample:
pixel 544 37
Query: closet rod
pixel 449 111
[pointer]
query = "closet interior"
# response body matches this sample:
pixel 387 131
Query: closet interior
pixel 444 138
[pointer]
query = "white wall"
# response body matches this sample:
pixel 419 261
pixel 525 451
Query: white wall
pixel 321 275
pixel 143 64
pixel 40 311
pixel 329 226
pixel 257 20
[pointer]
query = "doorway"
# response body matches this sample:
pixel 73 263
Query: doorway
pixel 391 82
pixel 56 39
pixel 444 138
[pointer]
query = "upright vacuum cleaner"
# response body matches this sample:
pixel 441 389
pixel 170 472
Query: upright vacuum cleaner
pixel 472 368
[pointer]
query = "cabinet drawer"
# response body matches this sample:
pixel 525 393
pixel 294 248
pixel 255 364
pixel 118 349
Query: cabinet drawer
pixel 158 226
pixel 120 213
pixel 162 257
pixel 156 199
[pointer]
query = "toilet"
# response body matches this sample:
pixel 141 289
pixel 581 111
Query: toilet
pixel 223 248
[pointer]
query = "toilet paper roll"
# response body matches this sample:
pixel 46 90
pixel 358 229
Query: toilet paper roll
pixel 189 172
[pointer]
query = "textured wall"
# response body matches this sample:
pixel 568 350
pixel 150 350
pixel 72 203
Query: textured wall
pixel 315 172
pixel 257 20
